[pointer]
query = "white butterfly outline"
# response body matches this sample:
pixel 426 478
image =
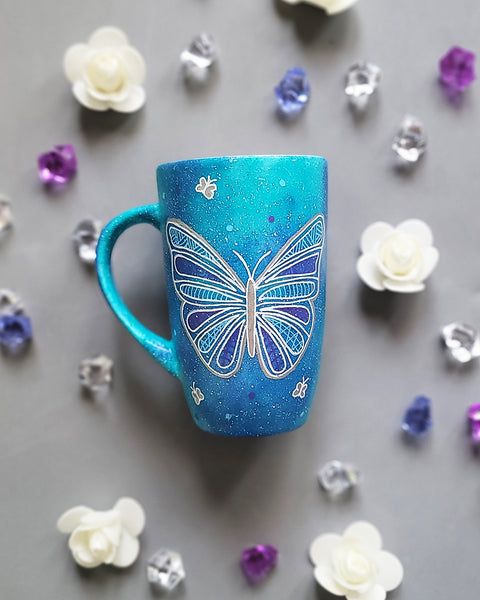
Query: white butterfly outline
pixel 207 187
pixel 224 305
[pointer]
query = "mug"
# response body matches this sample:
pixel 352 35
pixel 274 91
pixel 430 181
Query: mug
pixel 244 245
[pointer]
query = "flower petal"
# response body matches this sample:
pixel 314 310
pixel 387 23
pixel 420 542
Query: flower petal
pixel 368 272
pixel 100 518
pixel 373 234
pixel 71 518
pixel 127 551
pixel 132 514
pixel 376 592
pixel 407 287
pixel 78 544
pixel 134 64
pixel 322 547
pixel 74 60
pixel 366 533
pixel 324 577
pixel 430 260
pixel 390 570
pixel 419 229
pixel 336 6
pixel 81 94
pixel 134 101
pixel 106 37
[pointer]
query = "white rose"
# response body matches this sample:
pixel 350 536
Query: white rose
pixel 397 259
pixel 104 537
pixel 354 565
pixel 106 72
pixel 331 7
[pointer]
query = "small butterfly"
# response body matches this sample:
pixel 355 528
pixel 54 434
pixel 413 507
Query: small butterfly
pixel 197 394
pixel 301 388
pixel 207 187
pixel 272 315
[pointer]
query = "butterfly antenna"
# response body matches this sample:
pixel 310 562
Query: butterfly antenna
pixel 243 262
pixel 259 261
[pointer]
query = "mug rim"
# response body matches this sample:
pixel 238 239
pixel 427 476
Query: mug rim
pixel 317 157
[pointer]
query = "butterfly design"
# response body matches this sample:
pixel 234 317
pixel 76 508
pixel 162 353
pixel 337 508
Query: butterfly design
pixel 272 315
pixel 207 187
pixel 300 388
pixel 197 394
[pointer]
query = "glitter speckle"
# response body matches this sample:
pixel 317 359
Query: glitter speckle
pixel 229 228
pixel 251 395
pixel 271 219
pixel 282 183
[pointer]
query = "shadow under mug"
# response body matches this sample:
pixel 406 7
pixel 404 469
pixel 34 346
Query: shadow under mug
pixel 244 244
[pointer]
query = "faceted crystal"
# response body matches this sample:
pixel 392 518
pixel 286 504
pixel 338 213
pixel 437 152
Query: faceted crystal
pixel 293 92
pixel 6 216
pixel 336 477
pixel 198 58
pixel 418 417
pixel 59 165
pixel 410 142
pixel 10 303
pixel 474 422
pixel 462 341
pixel 96 375
pixel 457 68
pixel 361 82
pixel 15 332
pixel 85 238
pixel 258 561
pixel 165 569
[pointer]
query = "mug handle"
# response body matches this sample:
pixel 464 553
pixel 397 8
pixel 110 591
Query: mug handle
pixel 161 349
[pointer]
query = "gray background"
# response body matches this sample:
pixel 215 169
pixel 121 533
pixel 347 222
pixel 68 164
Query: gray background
pixel 207 497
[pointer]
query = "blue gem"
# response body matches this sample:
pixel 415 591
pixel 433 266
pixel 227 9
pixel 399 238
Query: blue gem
pixel 15 332
pixel 293 92
pixel 418 417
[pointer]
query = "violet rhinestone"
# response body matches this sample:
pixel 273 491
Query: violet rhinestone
pixel 457 68
pixel 15 332
pixel 474 422
pixel 418 417
pixel 293 92
pixel 258 561
pixel 59 165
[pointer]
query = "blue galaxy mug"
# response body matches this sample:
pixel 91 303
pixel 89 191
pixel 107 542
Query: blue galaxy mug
pixel 244 243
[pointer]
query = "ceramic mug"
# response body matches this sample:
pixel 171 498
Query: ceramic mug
pixel 245 253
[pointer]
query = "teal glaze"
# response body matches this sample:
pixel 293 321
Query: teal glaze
pixel 260 204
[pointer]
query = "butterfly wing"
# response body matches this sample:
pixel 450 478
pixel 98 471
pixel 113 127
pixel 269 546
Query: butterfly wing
pixel 286 291
pixel 213 299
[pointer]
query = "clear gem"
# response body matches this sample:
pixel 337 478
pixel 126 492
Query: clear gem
pixel 15 332
pixel 361 82
pixel 293 92
pixel 462 341
pixel 165 569
pixel 258 561
pixel 96 375
pixel 336 477
pixel 410 141
pixel 85 238
pixel 10 303
pixel 418 417
pixel 198 58
pixel 59 165
pixel 6 216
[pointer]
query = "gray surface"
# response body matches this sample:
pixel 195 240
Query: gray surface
pixel 208 497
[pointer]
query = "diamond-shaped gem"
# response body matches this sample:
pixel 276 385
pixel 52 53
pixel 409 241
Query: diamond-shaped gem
pixel 293 92
pixel 198 58
pixel 165 569
pixel 258 561
pixel 10 303
pixel 58 165
pixel 473 416
pixel 361 82
pixel 85 238
pixel 462 341
pixel 418 417
pixel 96 375
pixel 410 142
pixel 6 216
pixel 337 477
pixel 15 332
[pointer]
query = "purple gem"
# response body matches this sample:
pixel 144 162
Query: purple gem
pixel 418 417
pixel 59 165
pixel 15 332
pixel 258 561
pixel 293 92
pixel 457 68
pixel 474 422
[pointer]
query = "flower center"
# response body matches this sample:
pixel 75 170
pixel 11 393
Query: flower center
pixel 400 253
pixel 353 564
pixel 98 544
pixel 106 72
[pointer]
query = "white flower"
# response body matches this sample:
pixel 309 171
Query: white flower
pixel 354 565
pixel 106 72
pixel 104 536
pixel 397 259
pixel 331 7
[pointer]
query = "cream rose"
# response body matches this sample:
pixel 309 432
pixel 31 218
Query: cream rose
pixel 104 537
pixel 331 7
pixel 397 259
pixel 106 72
pixel 354 565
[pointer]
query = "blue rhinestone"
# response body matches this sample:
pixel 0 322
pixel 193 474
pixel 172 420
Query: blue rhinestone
pixel 293 92
pixel 15 332
pixel 418 417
